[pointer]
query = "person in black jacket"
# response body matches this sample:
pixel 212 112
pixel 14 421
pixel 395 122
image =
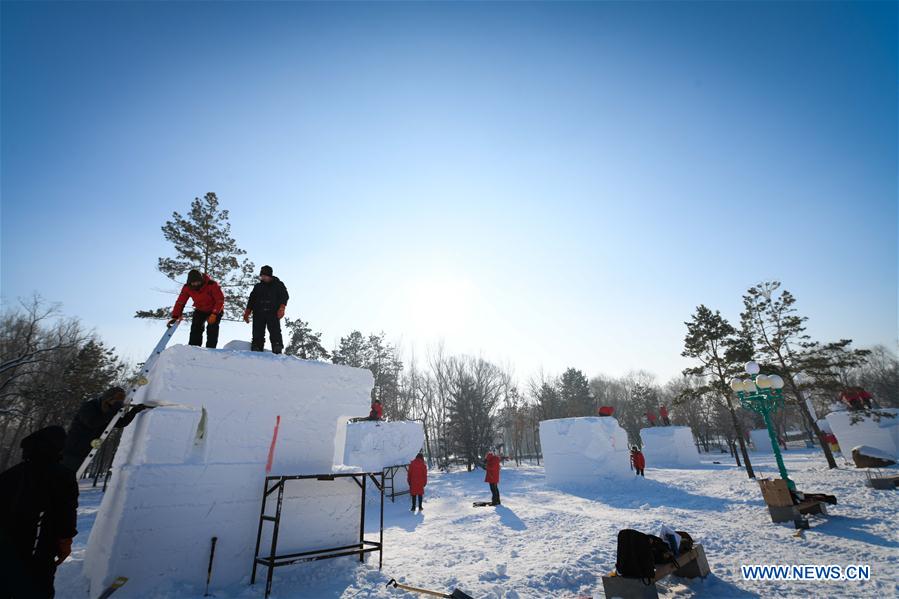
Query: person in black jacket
pixel 267 304
pixel 38 510
pixel 91 420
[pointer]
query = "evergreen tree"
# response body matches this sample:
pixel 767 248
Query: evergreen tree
pixel 477 389
pixel 303 342
pixel 203 241
pixel 378 356
pixel 778 335
pixel 722 354
pixel 352 351
pixel 93 369
pixel 549 400
pixel 574 389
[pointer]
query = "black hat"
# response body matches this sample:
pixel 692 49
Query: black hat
pixel 194 276
pixel 113 393
pixel 266 271
pixel 44 445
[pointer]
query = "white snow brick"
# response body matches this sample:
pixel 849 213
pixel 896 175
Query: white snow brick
pixel 374 445
pixel 179 478
pixel 584 451
pixel 669 446
pixel 878 429
pixel 761 441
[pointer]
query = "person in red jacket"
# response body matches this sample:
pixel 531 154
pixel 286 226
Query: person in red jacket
pixel 638 461
pixel 663 416
pixel 377 410
pixel 491 465
pixel 652 418
pixel 209 304
pixel 417 477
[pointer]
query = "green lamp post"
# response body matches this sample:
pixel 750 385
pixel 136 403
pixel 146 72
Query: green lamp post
pixel 763 393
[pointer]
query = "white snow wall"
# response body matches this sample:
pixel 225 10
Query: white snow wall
pixel 670 446
pixel 582 451
pixel 194 468
pixel 877 428
pixel 761 440
pixel 375 445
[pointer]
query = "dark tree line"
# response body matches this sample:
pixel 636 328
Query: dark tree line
pixel 49 364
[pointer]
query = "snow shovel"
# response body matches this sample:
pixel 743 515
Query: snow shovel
pixel 456 594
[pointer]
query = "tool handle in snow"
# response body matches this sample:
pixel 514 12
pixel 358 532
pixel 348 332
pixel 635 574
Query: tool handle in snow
pixel 209 569
pixel 406 587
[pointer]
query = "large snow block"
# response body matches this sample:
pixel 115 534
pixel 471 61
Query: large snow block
pixel 670 446
pixel 583 451
pixel 874 428
pixel 194 468
pixel 374 445
pixel 761 441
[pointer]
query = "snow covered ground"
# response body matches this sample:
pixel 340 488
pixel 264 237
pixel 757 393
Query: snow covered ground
pixel 543 542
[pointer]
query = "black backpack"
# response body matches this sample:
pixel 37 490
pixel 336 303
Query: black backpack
pixel 635 557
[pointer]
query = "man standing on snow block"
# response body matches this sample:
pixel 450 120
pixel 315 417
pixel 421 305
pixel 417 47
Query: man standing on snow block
pixel 417 477
pixel 209 304
pixel 377 410
pixel 638 461
pixel 267 304
pixel 663 416
pixel 91 420
pixel 651 418
pixel 38 505
pixel 492 477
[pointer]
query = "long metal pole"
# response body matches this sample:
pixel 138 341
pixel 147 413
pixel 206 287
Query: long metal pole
pixel 381 548
pixel 362 521
pixel 776 448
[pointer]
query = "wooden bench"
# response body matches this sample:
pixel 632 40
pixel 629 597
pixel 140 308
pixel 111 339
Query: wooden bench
pixel 781 506
pixel 692 564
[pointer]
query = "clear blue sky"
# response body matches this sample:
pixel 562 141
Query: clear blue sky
pixel 548 184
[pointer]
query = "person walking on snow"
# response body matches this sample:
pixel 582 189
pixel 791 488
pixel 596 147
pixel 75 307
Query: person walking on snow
pixel 638 461
pixel 209 304
pixel 417 477
pixel 491 465
pixel 267 304
pixel 38 511
pixel 91 420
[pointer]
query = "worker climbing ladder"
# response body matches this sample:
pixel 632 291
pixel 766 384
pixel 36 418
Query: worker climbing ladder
pixel 139 382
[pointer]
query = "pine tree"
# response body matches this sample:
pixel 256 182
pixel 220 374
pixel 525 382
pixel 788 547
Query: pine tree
pixel 203 241
pixel 93 370
pixel 721 353
pixel 352 351
pixel 303 342
pixel 378 356
pixel 477 389
pixel 778 334
pixel 574 389
pixel 549 400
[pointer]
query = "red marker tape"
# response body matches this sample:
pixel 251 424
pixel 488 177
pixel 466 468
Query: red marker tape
pixel 271 450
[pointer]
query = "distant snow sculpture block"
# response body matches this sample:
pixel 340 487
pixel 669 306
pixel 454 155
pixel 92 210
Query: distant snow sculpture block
pixel 761 441
pixel 583 451
pixel 878 429
pixel 193 468
pixel 670 446
pixel 375 445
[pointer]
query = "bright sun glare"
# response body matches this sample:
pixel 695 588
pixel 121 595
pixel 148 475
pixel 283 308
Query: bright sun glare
pixel 440 305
